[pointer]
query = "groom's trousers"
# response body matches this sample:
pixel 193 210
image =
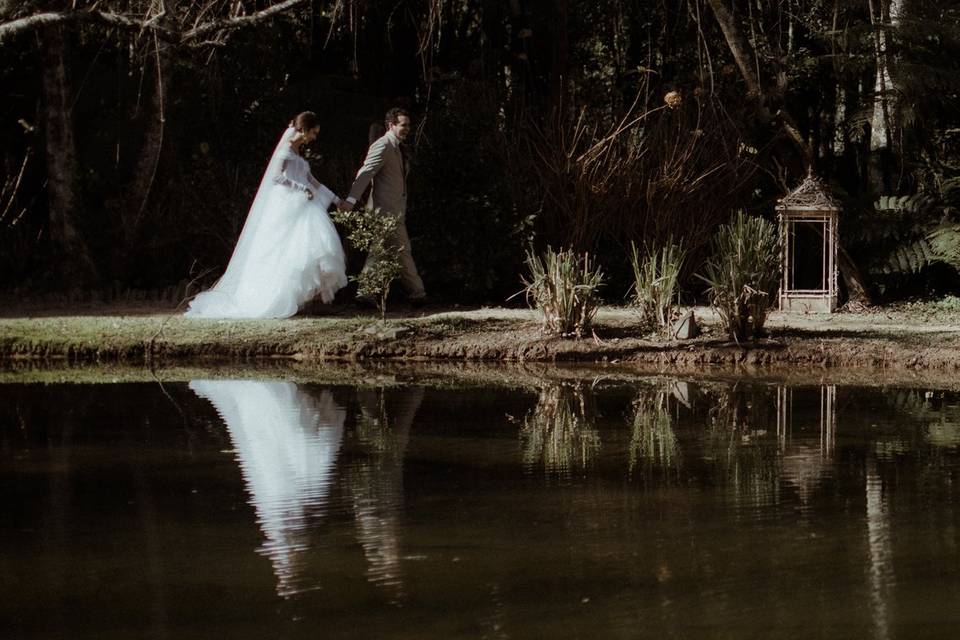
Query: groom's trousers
pixel 409 276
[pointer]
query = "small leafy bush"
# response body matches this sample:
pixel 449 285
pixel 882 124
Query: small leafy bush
pixel 563 286
pixel 370 231
pixel 743 274
pixel 655 283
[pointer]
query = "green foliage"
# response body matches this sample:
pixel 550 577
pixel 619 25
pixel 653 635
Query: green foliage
pixel 947 303
pixel 370 231
pixel 742 274
pixel 515 136
pixel 920 230
pixel 940 244
pixel 655 283
pixel 563 286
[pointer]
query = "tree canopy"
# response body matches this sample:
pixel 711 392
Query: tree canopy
pixel 135 131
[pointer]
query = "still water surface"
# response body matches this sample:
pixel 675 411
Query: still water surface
pixel 655 508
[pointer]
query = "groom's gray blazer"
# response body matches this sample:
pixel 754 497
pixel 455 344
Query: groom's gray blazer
pixel 386 168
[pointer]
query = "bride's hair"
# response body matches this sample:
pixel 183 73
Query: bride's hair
pixel 305 121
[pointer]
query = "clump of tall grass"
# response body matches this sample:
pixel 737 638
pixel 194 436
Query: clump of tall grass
pixel 563 286
pixel 655 287
pixel 742 274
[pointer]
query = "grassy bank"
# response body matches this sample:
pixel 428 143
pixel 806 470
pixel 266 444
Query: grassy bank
pixel 908 338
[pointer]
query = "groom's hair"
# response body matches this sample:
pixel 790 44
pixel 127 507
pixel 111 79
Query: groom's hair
pixel 393 116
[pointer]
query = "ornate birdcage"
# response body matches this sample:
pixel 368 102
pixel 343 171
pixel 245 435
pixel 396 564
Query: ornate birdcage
pixel 808 226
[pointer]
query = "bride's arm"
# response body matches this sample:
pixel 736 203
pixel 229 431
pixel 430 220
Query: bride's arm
pixel 286 179
pixel 322 189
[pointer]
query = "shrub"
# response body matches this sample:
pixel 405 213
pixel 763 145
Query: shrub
pixel 563 287
pixel 369 231
pixel 655 278
pixel 742 274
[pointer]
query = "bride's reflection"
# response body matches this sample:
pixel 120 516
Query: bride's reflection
pixel 286 442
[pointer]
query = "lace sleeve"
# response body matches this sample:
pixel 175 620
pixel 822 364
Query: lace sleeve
pixel 285 177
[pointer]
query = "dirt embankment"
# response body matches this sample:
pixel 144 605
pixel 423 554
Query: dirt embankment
pixel 887 338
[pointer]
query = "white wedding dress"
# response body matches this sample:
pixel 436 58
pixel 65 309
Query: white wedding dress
pixel 288 253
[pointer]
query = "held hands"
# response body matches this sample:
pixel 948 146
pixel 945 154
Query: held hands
pixel 344 205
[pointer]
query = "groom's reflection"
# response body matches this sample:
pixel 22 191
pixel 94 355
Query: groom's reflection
pixel 374 478
pixel 286 442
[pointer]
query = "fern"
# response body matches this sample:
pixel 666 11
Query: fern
pixel 945 244
pixel 922 237
pixel 920 203
pixel 940 244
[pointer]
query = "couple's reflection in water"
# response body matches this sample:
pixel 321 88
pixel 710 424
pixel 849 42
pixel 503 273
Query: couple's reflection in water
pixel 320 462
pixel 298 449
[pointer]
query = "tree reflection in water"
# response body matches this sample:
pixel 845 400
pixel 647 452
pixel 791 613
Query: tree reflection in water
pixel 560 432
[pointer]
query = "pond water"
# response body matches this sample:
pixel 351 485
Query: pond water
pixel 655 507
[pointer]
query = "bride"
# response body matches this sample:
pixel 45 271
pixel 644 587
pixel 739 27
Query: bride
pixel 288 251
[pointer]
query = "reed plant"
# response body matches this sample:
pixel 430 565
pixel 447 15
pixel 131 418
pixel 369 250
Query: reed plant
pixel 656 276
pixel 564 287
pixel 742 274
pixel 653 443
pixel 560 432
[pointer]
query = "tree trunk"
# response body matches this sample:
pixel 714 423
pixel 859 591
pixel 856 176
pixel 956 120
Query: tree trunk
pixel 857 291
pixel 74 266
pixel 883 12
pixel 745 57
pixel 143 179
pixel 738 45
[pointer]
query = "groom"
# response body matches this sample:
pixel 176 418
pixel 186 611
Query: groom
pixel 386 167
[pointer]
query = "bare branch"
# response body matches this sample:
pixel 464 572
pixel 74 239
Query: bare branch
pixel 230 24
pixel 13 185
pixel 52 18
pixel 199 35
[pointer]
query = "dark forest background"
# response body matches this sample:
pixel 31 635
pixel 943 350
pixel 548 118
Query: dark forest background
pixel 134 132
